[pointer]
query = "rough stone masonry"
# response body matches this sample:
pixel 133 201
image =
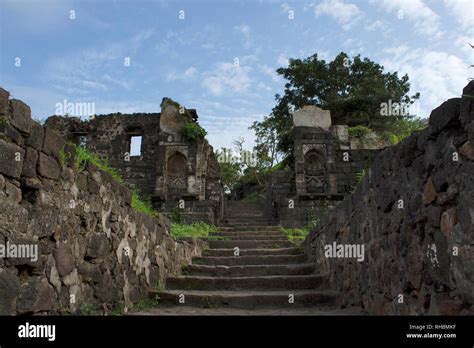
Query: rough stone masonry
pixel 414 212
pixel 95 251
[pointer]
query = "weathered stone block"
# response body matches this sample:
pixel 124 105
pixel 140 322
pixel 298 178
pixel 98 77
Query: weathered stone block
pixel 4 104
pixel 64 259
pixel 449 219
pixel 429 193
pixel 467 104
pixel 98 246
pixel 10 289
pixel 48 167
pixel 35 139
pixel 29 166
pixel 21 116
pixel 36 295
pixel 467 150
pixel 312 116
pixel 11 159
pixel 13 134
pixel 52 142
pixel 445 115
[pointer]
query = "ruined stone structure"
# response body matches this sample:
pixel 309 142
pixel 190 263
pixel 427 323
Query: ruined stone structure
pixel 169 167
pixel 414 213
pixel 93 250
pixel 326 163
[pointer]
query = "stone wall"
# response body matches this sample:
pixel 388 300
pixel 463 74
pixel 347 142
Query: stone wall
pixel 414 214
pixel 93 248
pixel 326 164
pixel 169 169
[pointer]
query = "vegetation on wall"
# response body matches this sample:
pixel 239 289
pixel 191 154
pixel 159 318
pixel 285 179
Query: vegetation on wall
pixel 84 156
pixel 193 131
pixel 197 229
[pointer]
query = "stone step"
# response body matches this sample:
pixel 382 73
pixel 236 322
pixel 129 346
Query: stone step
pixel 246 299
pixel 253 252
pixel 249 260
pixel 256 228
pixel 249 270
pixel 249 244
pixel 257 221
pixel 251 234
pixel 243 224
pixel 277 282
pixel 250 237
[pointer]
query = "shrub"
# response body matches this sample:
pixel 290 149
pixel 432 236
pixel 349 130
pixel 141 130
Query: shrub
pixel 360 132
pixel 193 131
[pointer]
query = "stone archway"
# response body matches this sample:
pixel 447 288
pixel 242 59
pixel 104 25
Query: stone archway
pixel 315 171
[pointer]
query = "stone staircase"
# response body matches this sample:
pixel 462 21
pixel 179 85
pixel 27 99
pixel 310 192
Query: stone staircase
pixel 269 271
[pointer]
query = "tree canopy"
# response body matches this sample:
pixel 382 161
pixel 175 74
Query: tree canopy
pixel 353 89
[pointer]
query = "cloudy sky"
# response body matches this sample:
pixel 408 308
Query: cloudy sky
pixel 188 50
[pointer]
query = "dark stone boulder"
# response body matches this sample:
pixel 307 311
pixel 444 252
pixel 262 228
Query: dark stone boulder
pixel 21 116
pixel 29 166
pixel 11 159
pixel 64 259
pixel 10 289
pixel 35 139
pixel 445 115
pixel 98 246
pixel 52 143
pixel 48 167
pixel 36 295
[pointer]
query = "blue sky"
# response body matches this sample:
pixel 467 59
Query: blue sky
pixel 192 60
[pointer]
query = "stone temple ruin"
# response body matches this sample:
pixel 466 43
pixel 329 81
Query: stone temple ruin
pixel 326 163
pixel 169 168
pixel 182 175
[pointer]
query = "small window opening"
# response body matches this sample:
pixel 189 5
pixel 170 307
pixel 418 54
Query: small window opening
pixel 136 145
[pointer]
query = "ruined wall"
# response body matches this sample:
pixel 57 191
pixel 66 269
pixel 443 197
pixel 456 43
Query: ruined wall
pixel 414 215
pixel 93 248
pixel 170 167
pixel 326 165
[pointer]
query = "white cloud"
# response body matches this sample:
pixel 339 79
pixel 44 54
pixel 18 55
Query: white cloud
pixel 437 75
pixel 346 14
pixel 378 24
pixel 227 78
pixel 245 31
pixel 270 72
pixel 463 12
pixel 282 60
pixel 187 75
pixel 425 20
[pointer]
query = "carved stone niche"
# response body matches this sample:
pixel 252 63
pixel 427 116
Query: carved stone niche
pixel 176 175
pixel 315 171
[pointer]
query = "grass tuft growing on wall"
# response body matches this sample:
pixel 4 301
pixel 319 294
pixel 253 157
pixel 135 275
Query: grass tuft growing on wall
pixel 197 229
pixel 84 156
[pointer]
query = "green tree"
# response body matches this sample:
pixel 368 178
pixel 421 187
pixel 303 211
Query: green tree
pixel 352 89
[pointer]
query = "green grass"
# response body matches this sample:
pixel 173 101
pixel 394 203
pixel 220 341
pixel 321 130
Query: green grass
pixel 84 156
pixel 296 235
pixel 145 304
pixel 143 206
pixel 197 229
pixel 89 309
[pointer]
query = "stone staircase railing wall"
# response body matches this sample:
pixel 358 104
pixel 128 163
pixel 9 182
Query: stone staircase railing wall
pixel 94 249
pixel 414 214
